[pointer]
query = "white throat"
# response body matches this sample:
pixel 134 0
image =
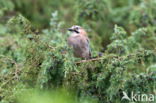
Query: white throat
pixel 75 34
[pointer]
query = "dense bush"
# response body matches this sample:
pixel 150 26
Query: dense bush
pixel 34 53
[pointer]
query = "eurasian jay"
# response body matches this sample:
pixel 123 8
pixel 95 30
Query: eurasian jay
pixel 79 41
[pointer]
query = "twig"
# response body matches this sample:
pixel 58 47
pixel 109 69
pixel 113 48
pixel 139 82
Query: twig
pixel 89 60
pixel 16 72
pixel 6 82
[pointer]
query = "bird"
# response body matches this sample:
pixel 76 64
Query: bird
pixel 79 41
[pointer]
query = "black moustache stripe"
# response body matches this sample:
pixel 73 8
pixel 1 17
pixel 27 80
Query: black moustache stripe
pixel 76 31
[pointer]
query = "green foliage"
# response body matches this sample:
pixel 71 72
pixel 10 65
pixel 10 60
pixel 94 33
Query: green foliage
pixel 19 24
pixel 5 6
pixel 39 58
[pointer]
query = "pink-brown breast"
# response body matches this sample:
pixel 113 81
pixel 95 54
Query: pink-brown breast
pixel 80 45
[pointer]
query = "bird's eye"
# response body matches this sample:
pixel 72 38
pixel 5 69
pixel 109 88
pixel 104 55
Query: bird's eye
pixel 76 28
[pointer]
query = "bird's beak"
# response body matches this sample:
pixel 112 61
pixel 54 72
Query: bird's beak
pixel 70 29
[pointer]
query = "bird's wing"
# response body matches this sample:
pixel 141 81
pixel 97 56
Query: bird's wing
pixel 86 45
pixel 84 40
pixel 89 46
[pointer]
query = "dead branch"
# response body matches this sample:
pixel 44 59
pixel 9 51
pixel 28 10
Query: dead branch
pixel 89 60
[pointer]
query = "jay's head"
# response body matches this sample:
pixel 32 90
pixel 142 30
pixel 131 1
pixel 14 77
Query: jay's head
pixel 77 29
